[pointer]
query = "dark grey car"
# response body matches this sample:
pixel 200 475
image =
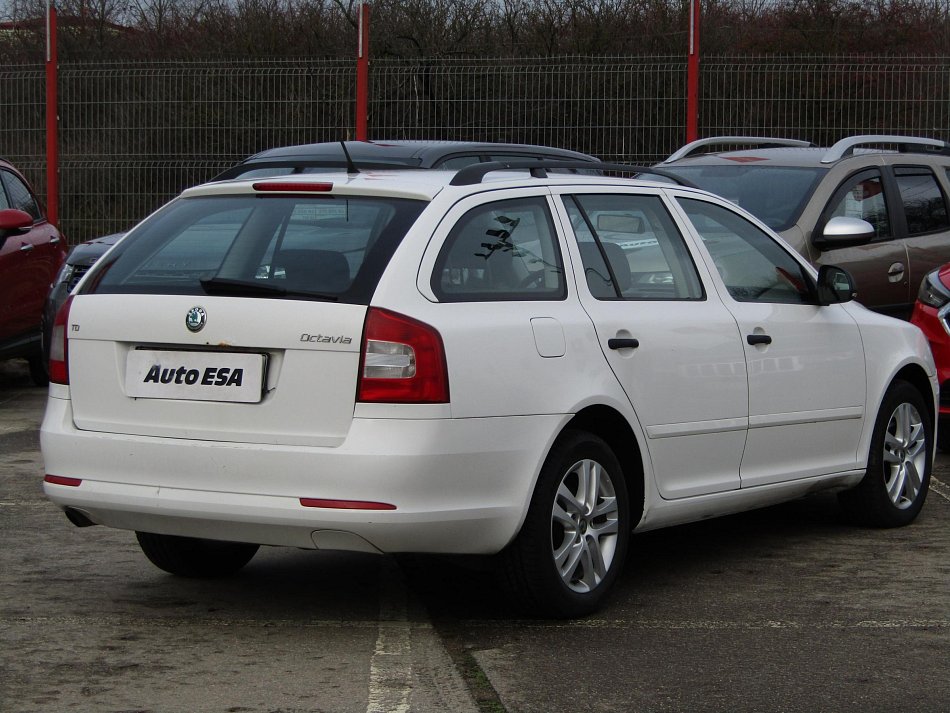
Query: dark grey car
pixel 874 205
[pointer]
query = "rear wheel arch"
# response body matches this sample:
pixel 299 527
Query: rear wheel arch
pixel 610 425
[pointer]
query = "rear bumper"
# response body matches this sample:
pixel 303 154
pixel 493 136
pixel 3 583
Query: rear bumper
pixel 458 485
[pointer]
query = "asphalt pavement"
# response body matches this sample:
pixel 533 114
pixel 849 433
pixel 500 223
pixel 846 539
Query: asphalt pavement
pixel 787 609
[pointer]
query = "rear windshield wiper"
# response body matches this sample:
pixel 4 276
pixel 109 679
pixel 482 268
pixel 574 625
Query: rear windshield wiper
pixel 243 288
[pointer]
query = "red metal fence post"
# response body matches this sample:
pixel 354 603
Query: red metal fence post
pixel 692 74
pixel 362 73
pixel 52 118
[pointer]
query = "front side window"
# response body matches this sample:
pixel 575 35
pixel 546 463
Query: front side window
pixel 4 201
pixel 20 196
pixel 862 196
pixel 327 247
pixel 753 267
pixel 631 249
pixel 504 250
pixel 925 206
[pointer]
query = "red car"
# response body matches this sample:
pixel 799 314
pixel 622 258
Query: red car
pixel 31 253
pixel 932 315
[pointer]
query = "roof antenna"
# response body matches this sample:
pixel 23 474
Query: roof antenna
pixel 350 166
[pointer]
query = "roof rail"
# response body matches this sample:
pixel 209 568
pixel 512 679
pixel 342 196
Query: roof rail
pixel 905 144
pixel 693 146
pixel 472 175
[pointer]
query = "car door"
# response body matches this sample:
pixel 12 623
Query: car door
pixel 926 221
pixel 671 343
pixel 807 383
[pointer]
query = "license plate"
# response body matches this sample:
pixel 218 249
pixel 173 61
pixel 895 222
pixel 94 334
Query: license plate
pixel 195 376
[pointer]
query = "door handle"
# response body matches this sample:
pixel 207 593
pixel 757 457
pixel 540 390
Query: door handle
pixel 623 343
pixel 54 241
pixel 26 247
pixel 895 272
pixel 756 339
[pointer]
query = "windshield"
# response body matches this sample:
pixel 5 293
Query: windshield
pixel 317 247
pixel 775 195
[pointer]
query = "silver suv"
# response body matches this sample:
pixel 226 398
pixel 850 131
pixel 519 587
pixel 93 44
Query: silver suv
pixel 883 200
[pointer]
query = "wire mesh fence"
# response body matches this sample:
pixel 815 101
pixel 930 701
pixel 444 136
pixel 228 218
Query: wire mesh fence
pixel 133 135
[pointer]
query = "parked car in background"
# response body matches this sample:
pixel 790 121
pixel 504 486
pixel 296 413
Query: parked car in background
pixel 329 156
pixel 76 264
pixel 487 362
pixel 932 315
pixel 337 155
pixel 874 205
pixel 31 252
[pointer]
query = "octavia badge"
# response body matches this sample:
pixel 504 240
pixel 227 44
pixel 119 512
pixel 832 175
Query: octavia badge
pixel 196 318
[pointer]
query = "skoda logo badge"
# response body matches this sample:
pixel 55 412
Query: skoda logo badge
pixel 196 318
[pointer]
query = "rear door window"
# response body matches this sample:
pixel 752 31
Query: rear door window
pixel 925 206
pixel 325 247
pixel 631 249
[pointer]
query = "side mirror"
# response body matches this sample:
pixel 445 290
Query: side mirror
pixel 14 222
pixel 835 285
pixel 843 232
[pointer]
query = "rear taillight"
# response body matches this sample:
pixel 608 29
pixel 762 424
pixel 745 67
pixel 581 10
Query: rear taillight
pixel 59 346
pixel 403 361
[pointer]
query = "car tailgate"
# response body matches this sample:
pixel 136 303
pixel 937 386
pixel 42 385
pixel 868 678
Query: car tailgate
pixel 274 371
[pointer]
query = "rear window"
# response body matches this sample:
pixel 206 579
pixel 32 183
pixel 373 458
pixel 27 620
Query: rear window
pixel 776 195
pixel 300 247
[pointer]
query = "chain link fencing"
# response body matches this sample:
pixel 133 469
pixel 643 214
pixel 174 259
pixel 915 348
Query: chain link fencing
pixel 132 135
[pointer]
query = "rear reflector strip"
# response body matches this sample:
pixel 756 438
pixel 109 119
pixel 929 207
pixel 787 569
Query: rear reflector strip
pixel 60 480
pixel 296 187
pixel 345 504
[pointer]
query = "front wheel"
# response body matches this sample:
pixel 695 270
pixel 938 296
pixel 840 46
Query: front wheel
pixel 574 540
pixel 898 476
pixel 194 557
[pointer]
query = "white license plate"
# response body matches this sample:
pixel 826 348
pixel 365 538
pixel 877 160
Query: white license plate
pixel 195 376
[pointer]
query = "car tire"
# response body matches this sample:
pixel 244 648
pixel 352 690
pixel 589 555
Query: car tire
pixel 572 545
pixel 895 485
pixel 193 557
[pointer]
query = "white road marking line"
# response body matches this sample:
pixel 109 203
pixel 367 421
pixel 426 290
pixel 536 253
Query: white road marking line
pixel 390 671
pixel 940 488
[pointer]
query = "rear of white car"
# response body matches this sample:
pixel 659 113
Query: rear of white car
pixel 387 362
pixel 235 413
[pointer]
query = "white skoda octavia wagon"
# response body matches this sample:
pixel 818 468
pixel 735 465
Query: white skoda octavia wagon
pixel 526 364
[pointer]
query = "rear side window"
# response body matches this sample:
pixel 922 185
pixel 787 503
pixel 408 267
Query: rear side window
pixel 505 250
pixel 631 249
pixel 925 206
pixel 327 247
